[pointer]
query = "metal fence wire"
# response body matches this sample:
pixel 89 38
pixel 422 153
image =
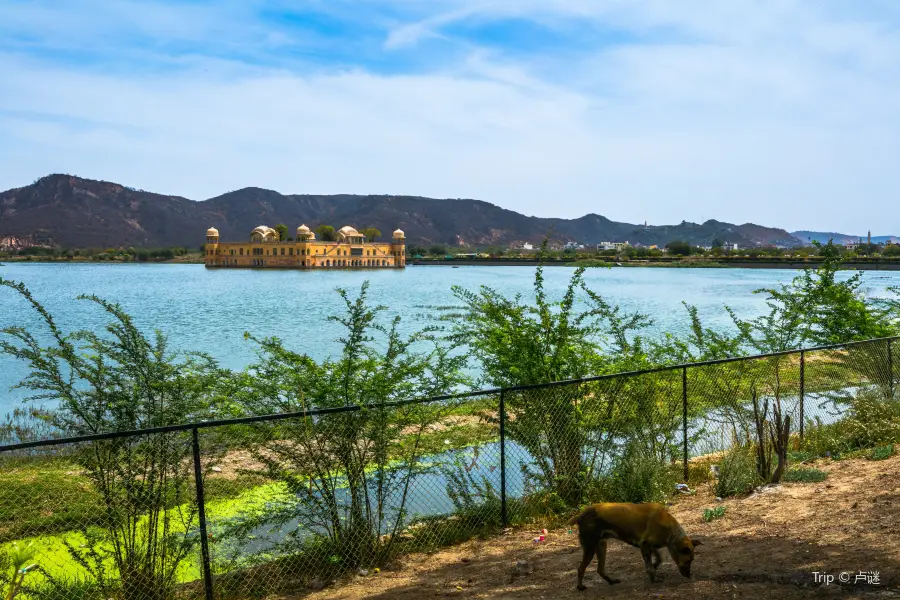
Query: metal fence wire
pixel 277 504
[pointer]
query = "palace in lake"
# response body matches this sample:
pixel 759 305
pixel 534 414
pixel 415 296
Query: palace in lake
pixel 265 249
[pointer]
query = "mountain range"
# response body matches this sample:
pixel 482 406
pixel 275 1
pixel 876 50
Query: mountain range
pixel 69 211
pixel 822 237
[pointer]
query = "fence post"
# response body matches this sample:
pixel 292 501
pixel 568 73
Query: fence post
pixel 503 516
pixel 201 506
pixel 802 391
pixel 891 366
pixel 684 422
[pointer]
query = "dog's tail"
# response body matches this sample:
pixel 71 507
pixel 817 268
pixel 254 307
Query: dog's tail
pixel 576 519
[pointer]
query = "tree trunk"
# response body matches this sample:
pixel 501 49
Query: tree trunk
pixel 779 433
pixel 763 467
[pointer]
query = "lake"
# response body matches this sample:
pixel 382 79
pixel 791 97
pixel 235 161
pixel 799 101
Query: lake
pixel 210 310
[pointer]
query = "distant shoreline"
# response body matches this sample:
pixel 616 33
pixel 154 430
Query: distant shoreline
pixel 703 263
pixel 86 261
pixel 674 264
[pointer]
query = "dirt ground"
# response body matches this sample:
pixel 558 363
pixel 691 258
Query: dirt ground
pixel 766 546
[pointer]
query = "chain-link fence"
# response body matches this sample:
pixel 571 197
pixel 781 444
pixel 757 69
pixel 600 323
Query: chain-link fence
pixel 280 504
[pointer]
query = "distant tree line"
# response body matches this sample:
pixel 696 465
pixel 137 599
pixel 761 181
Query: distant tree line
pixel 675 248
pixel 130 254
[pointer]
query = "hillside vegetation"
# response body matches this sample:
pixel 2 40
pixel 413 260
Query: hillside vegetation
pixel 68 211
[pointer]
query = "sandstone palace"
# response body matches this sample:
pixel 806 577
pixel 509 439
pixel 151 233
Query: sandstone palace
pixel 266 250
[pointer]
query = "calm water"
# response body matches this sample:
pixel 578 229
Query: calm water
pixel 210 310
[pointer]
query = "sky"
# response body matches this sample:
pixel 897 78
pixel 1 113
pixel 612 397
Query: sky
pixel 777 112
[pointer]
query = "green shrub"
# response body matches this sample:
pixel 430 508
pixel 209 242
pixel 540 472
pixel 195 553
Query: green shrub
pixel 711 514
pixel 872 420
pixel 826 440
pixel 65 589
pixel 805 475
pixel 737 472
pixel 800 456
pixel 882 452
pixel 640 476
pixel 15 563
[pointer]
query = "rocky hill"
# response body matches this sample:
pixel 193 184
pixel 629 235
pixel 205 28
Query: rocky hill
pixel 69 211
pixel 841 238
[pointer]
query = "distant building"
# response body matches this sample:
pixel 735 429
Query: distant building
pixel 612 245
pixel 852 245
pixel 527 246
pixel 573 246
pixel 264 249
pixel 730 247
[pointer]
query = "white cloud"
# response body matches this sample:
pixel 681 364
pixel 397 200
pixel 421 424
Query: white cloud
pixel 781 115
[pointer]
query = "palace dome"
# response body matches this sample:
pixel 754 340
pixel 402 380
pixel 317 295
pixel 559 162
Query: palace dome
pixel 350 231
pixel 398 234
pixel 212 232
pixel 302 230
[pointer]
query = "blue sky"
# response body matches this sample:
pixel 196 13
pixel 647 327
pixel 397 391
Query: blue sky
pixel 777 112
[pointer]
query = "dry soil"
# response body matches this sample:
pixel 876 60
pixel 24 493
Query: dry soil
pixel 768 545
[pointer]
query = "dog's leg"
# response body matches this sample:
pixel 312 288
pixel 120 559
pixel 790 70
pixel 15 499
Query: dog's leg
pixel 647 553
pixel 657 559
pixel 601 563
pixel 585 561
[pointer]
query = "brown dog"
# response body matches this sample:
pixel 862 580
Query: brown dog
pixel 645 526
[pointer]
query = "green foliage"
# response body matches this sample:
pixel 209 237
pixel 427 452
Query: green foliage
pixel 117 382
pixel 518 343
pixel 475 499
pixel 437 250
pixel 639 475
pixel 347 473
pixel 53 588
pixel 737 472
pixel 871 420
pixel 816 308
pixel 711 514
pixel 882 452
pixel 679 248
pixel 805 475
pixel 371 233
pixel 282 230
pixel 110 254
pixel 15 563
pixel 800 456
pixel 698 344
pixel 326 233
